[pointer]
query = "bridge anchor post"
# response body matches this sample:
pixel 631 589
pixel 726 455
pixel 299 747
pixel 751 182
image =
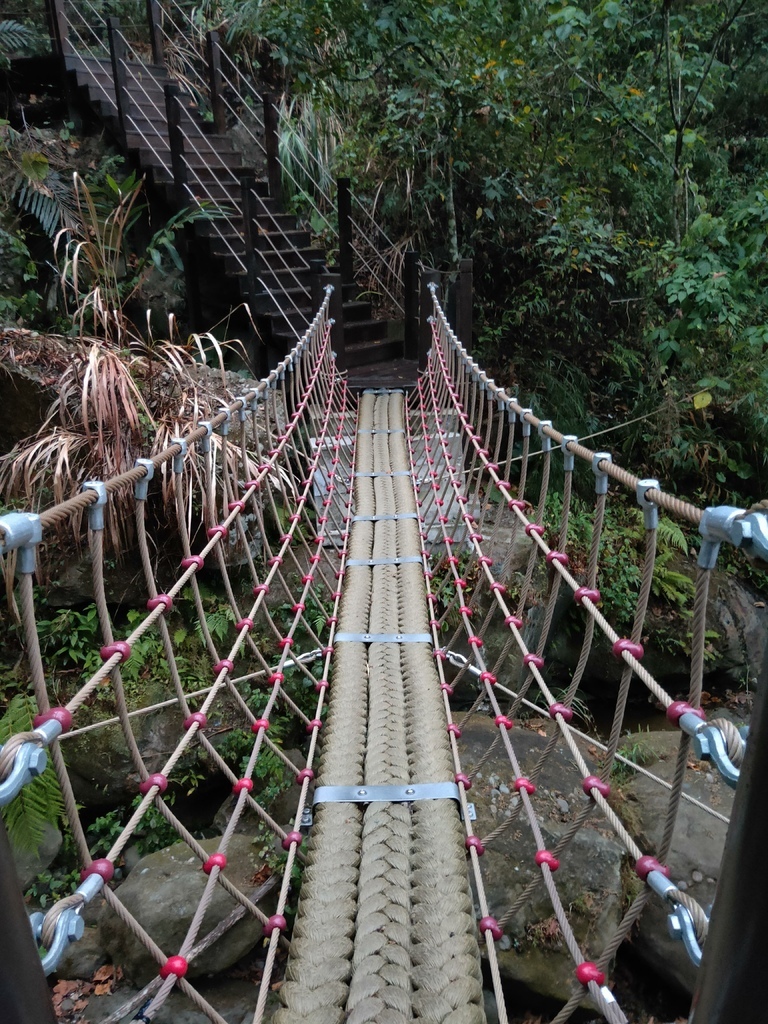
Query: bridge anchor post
pixel 729 986
pixel 24 992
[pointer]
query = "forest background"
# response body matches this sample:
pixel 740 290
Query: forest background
pixel 604 164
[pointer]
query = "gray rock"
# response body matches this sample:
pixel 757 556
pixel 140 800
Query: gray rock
pixel 30 863
pixel 80 959
pixel 563 806
pixel 163 892
pixel 697 849
pixel 588 880
pixel 235 1000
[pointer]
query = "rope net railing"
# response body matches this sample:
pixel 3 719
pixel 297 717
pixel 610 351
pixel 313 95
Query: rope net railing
pixel 386 613
pixel 466 430
pixel 260 461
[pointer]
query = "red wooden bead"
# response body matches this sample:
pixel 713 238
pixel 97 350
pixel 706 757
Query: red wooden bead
pixel 489 924
pixel 151 781
pixel 118 647
pixel 620 646
pixel 533 659
pixel 465 780
pixel 193 561
pixel 488 677
pixel 243 784
pixel 176 965
pixel 103 867
pixel 161 599
pixel 678 708
pixel 276 923
pixel 225 665
pixel 260 723
pixel 196 718
pixel 474 843
pixel 534 528
pixel 586 592
pixel 290 839
pixel 217 531
pixel 548 858
pixel 453 730
pixel 502 720
pixel 563 710
pixel 645 865
pixel 526 784
pixel 513 620
pixel 593 782
pixel 60 715
pixel 557 556
pixel 315 723
pixel 588 971
pixel 246 623
pixel 216 860
pixel 304 774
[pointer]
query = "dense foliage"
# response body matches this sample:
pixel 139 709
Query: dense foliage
pixel 606 166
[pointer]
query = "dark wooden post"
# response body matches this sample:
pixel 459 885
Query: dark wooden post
pixel 176 142
pixel 728 987
pixel 213 50
pixel 155 31
pixel 411 304
pixel 344 205
pixel 464 304
pixel 24 992
pixel 336 313
pixel 271 142
pixel 247 204
pixel 117 53
pixel 425 311
pixel 317 269
pixel 57 27
pixel 183 198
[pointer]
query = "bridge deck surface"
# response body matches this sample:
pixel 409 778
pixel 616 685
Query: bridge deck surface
pixel 385 929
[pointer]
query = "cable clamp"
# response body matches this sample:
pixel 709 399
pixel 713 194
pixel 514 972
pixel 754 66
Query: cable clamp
pixel 22 532
pixel 601 477
pixel 29 763
pixel 69 924
pixel 650 508
pixel 681 927
pixel 205 442
pixel 402 794
pixel 546 440
pixel 178 460
pixel 511 413
pixel 709 745
pixel 242 412
pixel 141 487
pixel 96 510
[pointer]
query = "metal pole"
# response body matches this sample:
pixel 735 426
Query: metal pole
pixel 428 276
pixel 24 993
pixel 729 987
pixel 411 304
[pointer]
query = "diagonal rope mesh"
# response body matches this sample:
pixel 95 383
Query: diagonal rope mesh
pixel 369 619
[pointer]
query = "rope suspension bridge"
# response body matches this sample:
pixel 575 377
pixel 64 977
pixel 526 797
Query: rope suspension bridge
pixel 385 501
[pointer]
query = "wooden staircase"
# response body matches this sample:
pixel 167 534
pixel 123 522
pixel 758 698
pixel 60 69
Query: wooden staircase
pixel 255 253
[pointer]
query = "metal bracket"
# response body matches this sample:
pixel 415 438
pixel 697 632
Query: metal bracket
pixel 709 745
pixel 404 793
pixel 96 510
pixel 601 477
pixel 546 440
pixel 374 430
pixel 397 472
pixel 223 427
pixel 385 519
pixel 569 459
pixel 205 442
pixel 525 425
pixel 746 530
pixel 141 487
pixel 178 460
pixel 22 532
pixel 382 638
pixel 650 508
pixel 400 560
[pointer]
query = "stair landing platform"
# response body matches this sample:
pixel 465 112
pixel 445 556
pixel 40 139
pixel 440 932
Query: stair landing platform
pixel 394 373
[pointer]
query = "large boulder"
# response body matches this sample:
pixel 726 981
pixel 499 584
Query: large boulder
pixel 589 881
pixel 697 848
pixel 30 863
pixel 163 892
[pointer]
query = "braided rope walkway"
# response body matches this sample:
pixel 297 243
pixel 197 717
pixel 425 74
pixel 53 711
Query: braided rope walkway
pixel 363 620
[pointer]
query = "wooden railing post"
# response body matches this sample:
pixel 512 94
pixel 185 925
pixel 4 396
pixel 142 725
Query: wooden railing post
pixel 425 311
pixel 247 204
pixel 57 27
pixel 271 142
pixel 154 15
pixel 464 304
pixel 180 180
pixel 336 313
pixel 117 53
pixel 411 304
pixel 176 142
pixel 344 206
pixel 317 270
pixel 213 51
